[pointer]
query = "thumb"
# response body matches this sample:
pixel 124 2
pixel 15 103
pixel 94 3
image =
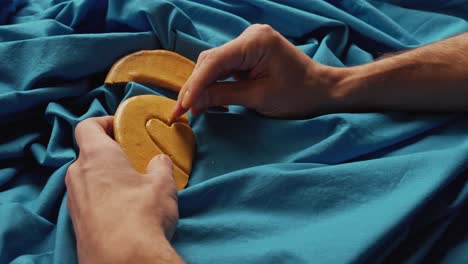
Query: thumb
pixel 246 93
pixel 160 166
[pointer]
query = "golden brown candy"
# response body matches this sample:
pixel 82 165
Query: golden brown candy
pixel 159 67
pixel 140 127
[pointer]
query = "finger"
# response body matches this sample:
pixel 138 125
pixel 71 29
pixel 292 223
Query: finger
pixel 160 166
pixel 233 56
pixel 201 58
pixel 200 61
pixel 95 131
pixel 247 93
pixel 178 110
pixel 219 62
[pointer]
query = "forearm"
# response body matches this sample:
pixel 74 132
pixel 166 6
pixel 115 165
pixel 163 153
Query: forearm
pixel 430 78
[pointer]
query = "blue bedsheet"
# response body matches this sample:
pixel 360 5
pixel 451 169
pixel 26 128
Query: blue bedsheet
pixel 337 188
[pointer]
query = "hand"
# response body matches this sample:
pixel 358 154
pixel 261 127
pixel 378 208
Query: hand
pixel 273 77
pixel 118 214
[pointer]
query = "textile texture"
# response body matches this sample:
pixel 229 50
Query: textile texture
pixel 338 188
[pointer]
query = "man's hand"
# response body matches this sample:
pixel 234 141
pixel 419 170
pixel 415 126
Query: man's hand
pixel 273 77
pixel 278 80
pixel 119 215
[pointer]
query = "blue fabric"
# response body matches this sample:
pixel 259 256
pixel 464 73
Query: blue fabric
pixel 338 188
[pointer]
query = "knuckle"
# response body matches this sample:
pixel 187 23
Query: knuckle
pixel 254 27
pixel 85 167
pixel 206 57
pixel 203 55
pixel 81 127
pixel 261 29
pixel 266 29
pixel 77 170
pixel 267 35
pixel 261 36
pixel 87 151
pixel 210 54
pixel 69 175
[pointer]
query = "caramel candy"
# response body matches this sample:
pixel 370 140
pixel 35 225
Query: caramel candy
pixel 159 67
pixel 141 128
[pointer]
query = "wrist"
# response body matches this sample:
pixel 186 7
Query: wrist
pixel 138 247
pixel 348 91
pixel 341 88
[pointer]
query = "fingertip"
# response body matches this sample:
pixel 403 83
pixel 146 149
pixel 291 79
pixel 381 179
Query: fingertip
pixel 177 111
pixel 164 158
pixel 159 162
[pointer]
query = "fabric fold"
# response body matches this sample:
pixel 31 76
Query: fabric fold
pixel 338 188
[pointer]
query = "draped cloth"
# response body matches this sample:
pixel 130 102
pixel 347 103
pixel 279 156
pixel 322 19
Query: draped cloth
pixel 337 188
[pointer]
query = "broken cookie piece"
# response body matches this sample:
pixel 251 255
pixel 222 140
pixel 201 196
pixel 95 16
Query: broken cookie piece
pixel 158 67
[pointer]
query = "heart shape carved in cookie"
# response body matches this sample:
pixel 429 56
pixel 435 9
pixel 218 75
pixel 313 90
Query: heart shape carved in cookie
pixel 141 128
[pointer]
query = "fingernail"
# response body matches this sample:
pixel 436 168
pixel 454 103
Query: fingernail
pixel 185 99
pixel 178 106
pixel 163 157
